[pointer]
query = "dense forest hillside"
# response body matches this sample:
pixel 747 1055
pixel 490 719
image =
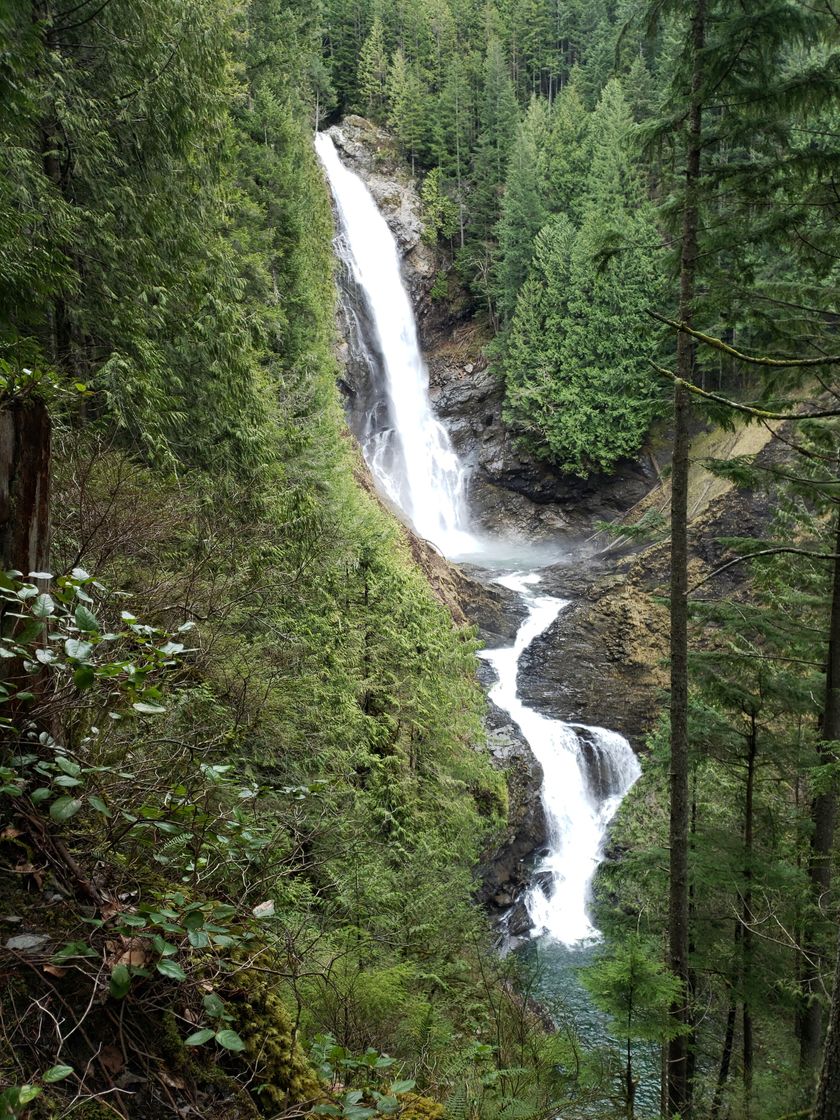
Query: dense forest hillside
pixel 245 783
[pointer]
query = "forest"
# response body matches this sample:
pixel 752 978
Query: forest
pixel 247 787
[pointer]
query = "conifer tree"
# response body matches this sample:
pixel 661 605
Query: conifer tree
pixel 577 386
pixel 406 106
pixel 373 71
pixel 563 159
pixel 498 120
pixel 522 211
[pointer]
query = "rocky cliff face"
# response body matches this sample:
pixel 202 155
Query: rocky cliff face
pixel 510 492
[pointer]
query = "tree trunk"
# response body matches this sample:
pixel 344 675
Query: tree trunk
pixel 725 1056
pixel 629 1084
pixel 827 1106
pixel 823 817
pixel 747 916
pixel 679 1084
pixel 828 1093
pixel 24 485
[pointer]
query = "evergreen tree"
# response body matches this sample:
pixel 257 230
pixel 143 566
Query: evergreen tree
pixel 406 106
pixel 522 211
pixel 373 71
pixel 563 159
pixel 579 390
pixel 498 120
pixel 636 991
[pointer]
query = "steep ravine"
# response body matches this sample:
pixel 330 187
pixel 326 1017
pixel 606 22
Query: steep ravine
pixel 526 533
pixel 601 662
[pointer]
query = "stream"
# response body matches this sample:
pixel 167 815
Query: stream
pixel 586 770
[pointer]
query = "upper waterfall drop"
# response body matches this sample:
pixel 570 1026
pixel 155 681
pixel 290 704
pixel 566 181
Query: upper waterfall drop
pixel 412 458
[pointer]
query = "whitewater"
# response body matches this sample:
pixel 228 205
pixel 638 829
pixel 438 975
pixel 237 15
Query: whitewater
pixel 586 771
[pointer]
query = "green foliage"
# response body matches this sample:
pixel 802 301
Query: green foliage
pixel 632 985
pixel 522 212
pixel 212 788
pixel 373 70
pixel 440 213
pixel 578 385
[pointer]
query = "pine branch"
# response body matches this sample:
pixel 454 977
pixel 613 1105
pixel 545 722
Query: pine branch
pixel 785 549
pixel 719 344
pixel 759 413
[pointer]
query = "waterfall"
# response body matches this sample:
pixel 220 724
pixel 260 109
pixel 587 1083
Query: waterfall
pixel 586 773
pixel 409 453
pixel 587 770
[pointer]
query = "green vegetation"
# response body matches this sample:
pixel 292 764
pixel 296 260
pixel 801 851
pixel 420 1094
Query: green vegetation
pixel 611 164
pixel 243 783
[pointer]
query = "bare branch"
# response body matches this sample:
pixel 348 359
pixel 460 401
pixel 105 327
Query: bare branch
pixel 759 413
pixel 765 552
pixel 719 344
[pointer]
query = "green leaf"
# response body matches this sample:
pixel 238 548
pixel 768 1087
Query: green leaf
pixel 43 606
pixel 214 1007
pixel 67 765
pixel 57 1073
pixel 73 949
pixel 120 982
pixel 163 947
pixel 99 805
pixel 76 649
pixel 199 1038
pixel 171 969
pixel 86 619
pixel 28 1093
pixel 63 808
pixel 148 709
pixel 83 677
pixel 403 1086
pixel 230 1040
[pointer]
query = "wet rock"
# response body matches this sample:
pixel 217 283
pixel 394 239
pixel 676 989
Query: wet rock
pixel 371 152
pixel 518 923
pixel 495 610
pixel 601 661
pixel 505 872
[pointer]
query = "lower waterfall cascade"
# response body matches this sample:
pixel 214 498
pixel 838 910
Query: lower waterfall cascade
pixel 586 773
pixel 587 770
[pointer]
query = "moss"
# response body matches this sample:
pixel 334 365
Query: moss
pixel 265 1027
pixel 417 1107
pixel 93 1110
pixel 200 1066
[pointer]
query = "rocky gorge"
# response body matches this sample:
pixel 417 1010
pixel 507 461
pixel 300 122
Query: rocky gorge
pixel 601 662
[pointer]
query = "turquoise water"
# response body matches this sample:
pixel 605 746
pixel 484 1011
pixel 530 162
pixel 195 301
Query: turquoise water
pixel 554 982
